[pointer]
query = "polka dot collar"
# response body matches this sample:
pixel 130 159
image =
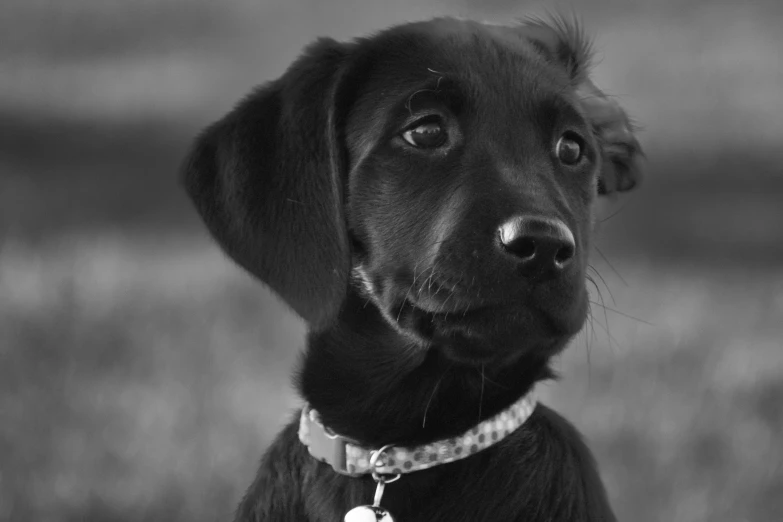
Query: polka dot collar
pixel 346 457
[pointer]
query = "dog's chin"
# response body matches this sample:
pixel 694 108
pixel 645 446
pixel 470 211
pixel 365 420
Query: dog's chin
pixel 495 336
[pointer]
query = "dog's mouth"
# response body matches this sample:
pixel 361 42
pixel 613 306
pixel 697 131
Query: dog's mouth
pixel 440 330
pixel 484 334
pixel 484 331
pixel 425 323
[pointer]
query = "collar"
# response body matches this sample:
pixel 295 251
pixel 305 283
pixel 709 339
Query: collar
pixel 347 457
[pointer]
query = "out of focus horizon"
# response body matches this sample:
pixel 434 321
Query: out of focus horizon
pixel 143 374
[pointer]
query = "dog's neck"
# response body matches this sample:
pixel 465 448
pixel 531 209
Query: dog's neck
pixel 370 384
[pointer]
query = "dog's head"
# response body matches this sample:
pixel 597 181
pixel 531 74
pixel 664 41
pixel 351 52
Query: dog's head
pixel 446 170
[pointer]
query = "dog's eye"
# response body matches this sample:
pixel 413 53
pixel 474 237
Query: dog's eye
pixel 426 135
pixel 569 149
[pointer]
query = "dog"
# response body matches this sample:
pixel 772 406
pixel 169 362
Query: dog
pixel 423 198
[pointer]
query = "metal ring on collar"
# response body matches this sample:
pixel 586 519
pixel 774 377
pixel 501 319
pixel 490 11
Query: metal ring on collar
pixel 375 463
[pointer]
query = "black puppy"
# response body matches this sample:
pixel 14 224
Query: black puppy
pixel 423 199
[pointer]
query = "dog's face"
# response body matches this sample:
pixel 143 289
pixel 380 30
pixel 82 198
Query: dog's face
pixel 450 170
pixel 472 171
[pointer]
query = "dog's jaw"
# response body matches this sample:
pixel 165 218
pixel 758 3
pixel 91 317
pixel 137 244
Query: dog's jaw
pixel 461 335
pixel 372 384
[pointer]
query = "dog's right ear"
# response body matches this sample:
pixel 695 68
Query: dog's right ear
pixel 268 182
pixel 563 41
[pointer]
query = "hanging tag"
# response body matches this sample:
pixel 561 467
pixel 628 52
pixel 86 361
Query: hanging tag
pixel 374 513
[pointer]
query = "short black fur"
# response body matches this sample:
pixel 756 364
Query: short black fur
pixel 421 323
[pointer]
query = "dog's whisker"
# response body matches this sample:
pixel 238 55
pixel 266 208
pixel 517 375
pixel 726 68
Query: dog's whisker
pixel 597 273
pixel 451 293
pixel 613 214
pixel 411 351
pixel 586 97
pixel 606 260
pixel 481 395
pixel 606 329
pixel 618 312
pixel 588 342
pixel 427 282
pixel 407 294
pixel 488 380
pixel 613 343
pixel 593 336
pixel 399 312
pixel 606 317
pixel 589 323
pixel 439 288
pixel 434 389
pixel 591 314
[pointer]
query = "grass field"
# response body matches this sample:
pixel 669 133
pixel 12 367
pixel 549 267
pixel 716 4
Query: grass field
pixel 142 374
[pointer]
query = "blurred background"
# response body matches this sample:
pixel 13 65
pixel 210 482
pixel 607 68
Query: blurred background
pixel 142 374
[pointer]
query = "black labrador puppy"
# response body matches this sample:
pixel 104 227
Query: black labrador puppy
pixel 423 198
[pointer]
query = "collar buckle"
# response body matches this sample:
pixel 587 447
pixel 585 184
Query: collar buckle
pixel 327 446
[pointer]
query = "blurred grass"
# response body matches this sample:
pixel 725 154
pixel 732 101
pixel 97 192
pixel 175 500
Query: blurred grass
pixel 142 379
pixel 130 379
pixel 142 374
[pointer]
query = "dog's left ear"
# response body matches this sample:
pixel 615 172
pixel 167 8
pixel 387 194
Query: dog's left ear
pixel 564 42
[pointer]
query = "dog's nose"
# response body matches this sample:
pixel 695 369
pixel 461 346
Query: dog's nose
pixel 541 245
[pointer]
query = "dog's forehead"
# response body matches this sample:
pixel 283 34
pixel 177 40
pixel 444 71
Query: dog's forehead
pixel 495 71
pixel 464 52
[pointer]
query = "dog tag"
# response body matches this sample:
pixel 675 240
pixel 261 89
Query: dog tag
pixel 374 513
pixel 368 514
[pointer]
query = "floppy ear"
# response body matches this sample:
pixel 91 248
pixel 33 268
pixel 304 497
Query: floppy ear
pixel 564 42
pixel 267 180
